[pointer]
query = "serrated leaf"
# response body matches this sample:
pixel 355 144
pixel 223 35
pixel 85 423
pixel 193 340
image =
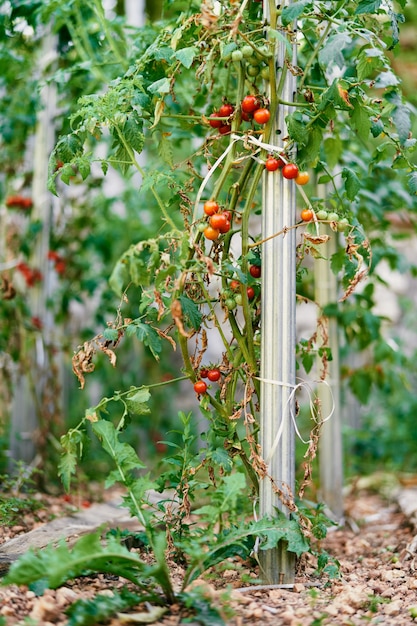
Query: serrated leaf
pixel 100 608
pixel 360 120
pixel 137 401
pixel 297 128
pixel 333 149
pixel 133 132
pixel 112 334
pixel 331 52
pixel 368 6
pixel 412 182
pixel 84 167
pixel 149 337
pixel 161 86
pixel 377 127
pixel 119 277
pixel 58 564
pixel 191 312
pixel 186 56
pixel 165 148
pixel 122 454
pixel 352 183
pixel 294 10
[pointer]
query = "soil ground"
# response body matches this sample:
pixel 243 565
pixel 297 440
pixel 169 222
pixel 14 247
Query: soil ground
pixel 377 585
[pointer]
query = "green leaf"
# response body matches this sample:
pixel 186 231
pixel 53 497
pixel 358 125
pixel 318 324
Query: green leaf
pixel 119 277
pixel 122 454
pixel 352 183
pixel 137 401
pixel 297 129
pixel 190 312
pixel 401 115
pixel 369 60
pixel 412 182
pixel 165 148
pixel 133 132
pixel 112 334
pixel 102 607
pixel 368 6
pixel 161 86
pixel 294 10
pixel 186 56
pixel 58 564
pixel 206 613
pixel 222 458
pixel 360 383
pixel 333 149
pixel 377 127
pixel 360 119
pixel 331 52
pixel 149 337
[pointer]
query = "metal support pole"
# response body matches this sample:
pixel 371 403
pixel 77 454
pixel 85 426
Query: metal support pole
pixel 330 445
pixel 278 344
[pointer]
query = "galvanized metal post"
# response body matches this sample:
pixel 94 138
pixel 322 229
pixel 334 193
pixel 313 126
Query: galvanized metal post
pixel 330 445
pixel 278 342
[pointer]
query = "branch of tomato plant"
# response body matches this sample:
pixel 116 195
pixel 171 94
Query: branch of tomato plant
pixel 156 195
pixel 312 58
pixel 98 7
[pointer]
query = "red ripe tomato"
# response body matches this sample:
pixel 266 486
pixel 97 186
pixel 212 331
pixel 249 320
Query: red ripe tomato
pixel 225 130
pixel 251 293
pixel 204 372
pixel 215 123
pixel 214 375
pixel 246 117
pixel 226 227
pixel 250 104
pixel 290 170
pixel 200 387
pixel 235 285
pixel 302 178
pixel 261 116
pixel 211 207
pixel 219 221
pixel 307 215
pixel 255 271
pixel 228 214
pixel 272 164
pixel 226 110
pixel 211 233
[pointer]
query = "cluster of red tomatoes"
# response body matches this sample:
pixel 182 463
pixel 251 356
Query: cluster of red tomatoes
pixel 31 275
pixel 212 374
pixel 59 262
pixel 219 221
pixel 288 170
pixel 19 202
pixel 251 108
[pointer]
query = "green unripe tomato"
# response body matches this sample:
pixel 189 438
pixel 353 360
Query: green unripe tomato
pixel 247 51
pixel 342 225
pixel 238 299
pixel 253 70
pixel 201 227
pixel 230 304
pixel 333 217
pixel 237 56
pixel 227 294
pixel 322 215
pixel 265 73
pixel 254 61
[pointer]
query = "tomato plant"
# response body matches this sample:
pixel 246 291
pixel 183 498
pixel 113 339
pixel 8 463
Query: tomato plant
pixel 157 89
pixel 255 271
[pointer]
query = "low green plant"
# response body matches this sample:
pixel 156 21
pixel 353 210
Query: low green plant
pixel 15 499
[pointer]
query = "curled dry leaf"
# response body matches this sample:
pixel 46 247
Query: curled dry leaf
pixel 176 311
pixel 316 239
